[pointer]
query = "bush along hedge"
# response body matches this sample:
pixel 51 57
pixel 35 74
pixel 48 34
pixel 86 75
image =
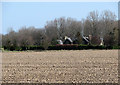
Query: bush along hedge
pixel 80 47
pixel 23 48
pixel 35 48
pixel 63 47
pixel 59 47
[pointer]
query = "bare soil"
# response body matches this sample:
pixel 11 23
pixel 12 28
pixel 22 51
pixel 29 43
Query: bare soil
pixel 73 66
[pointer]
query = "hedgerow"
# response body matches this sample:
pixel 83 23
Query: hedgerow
pixel 59 47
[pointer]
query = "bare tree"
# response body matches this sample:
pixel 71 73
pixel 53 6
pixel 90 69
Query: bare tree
pixel 93 20
pixel 98 25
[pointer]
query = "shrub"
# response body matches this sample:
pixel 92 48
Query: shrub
pixel 63 47
pixel 77 47
pixel 59 47
pixel 35 47
pixel 23 48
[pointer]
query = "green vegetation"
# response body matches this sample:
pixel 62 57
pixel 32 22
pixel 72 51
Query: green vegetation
pixel 80 47
pixel 59 47
pixel 23 48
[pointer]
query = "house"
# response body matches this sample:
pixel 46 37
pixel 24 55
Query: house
pixel 67 40
pixel 60 42
pixel 75 41
pixel 102 43
pixel 85 40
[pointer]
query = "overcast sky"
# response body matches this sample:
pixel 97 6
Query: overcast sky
pixel 20 14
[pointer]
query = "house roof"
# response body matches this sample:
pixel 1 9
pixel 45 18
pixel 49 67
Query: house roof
pixel 70 39
pixel 86 39
pixel 60 41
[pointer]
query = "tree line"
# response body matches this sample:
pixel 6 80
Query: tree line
pixel 103 25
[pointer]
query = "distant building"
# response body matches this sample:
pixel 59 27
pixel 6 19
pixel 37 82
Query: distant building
pixel 67 40
pixel 60 42
pixel 85 40
pixel 102 43
pixel 75 41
